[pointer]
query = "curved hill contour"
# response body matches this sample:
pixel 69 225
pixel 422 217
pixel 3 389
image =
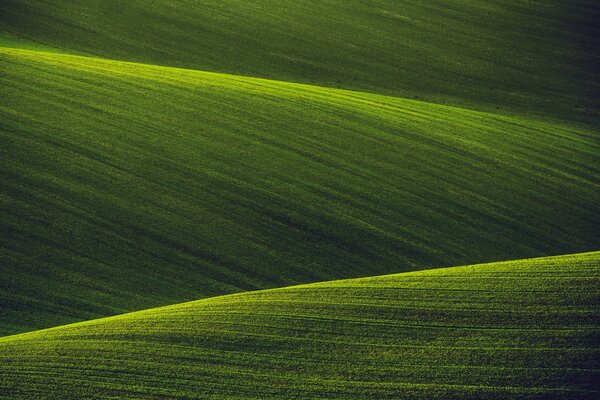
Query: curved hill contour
pixel 539 57
pixel 233 153
pixel 522 329
pixel 127 186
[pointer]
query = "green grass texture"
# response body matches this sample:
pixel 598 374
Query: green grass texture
pixel 127 186
pixel 540 57
pixel 523 329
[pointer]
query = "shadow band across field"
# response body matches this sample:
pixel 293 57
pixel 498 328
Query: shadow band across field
pixel 519 329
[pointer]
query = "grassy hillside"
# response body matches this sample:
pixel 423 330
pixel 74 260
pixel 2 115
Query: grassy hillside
pixel 523 329
pixel 127 186
pixel 535 56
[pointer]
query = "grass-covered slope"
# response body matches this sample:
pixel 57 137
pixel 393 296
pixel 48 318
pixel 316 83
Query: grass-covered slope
pixel 127 186
pixel 534 56
pixel 522 329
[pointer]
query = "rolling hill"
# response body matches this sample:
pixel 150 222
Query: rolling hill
pixel 539 57
pixel 129 186
pixel 204 199
pixel 522 329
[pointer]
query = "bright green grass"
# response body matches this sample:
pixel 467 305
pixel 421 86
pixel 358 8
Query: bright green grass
pixel 10 41
pixel 126 186
pixel 525 56
pixel 522 329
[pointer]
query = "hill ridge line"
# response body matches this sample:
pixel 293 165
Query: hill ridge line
pixel 539 118
pixel 374 337
pixel 290 287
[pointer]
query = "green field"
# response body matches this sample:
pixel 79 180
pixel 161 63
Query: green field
pixel 483 331
pixel 188 184
pixel 540 57
pixel 204 199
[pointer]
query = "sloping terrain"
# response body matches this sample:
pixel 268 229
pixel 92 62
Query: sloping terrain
pixel 537 57
pixel 522 329
pixel 155 152
pixel 127 186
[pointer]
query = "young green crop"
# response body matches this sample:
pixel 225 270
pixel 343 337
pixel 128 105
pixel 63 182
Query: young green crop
pixel 126 186
pixel 522 329
pixel 536 57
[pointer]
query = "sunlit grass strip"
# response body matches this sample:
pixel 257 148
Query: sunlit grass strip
pixel 521 329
